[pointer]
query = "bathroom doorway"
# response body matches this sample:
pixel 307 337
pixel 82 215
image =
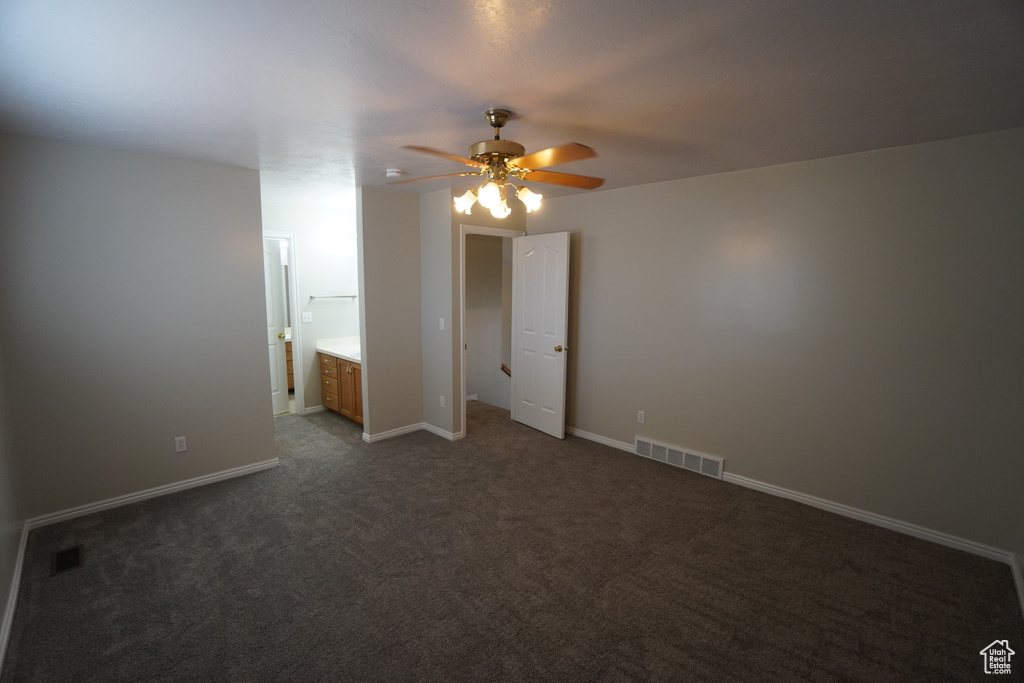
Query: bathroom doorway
pixel 284 349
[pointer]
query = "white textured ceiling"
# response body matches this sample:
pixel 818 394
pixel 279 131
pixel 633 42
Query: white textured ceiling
pixel 324 94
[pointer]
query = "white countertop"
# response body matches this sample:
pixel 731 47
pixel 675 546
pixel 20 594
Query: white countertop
pixel 347 348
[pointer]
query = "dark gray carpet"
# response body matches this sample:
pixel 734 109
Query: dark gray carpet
pixel 508 556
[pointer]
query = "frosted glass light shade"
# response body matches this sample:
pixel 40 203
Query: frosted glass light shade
pixel 464 203
pixel 490 195
pixel 500 210
pixel 530 198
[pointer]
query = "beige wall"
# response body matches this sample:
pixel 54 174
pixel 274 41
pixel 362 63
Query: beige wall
pixel 436 303
pixel 389 249
pixel 849 328
pixel 131 287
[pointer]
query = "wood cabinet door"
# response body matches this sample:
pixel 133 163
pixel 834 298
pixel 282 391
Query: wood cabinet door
pixel 346 395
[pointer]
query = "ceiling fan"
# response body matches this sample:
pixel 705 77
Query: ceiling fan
pixel 499 161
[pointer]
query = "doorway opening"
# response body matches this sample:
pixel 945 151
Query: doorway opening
pixel 283 343
pixel 485 256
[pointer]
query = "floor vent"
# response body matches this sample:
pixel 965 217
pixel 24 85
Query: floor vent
pixel 695 462
pixel 65 560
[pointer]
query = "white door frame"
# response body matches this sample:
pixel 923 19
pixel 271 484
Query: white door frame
pixel 293 303
pixel 463 231
pixel 277 323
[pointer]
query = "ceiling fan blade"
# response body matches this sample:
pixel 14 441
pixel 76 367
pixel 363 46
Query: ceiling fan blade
pixel 583 182
pixel 552 156
pixel 446 155
pixel 431 177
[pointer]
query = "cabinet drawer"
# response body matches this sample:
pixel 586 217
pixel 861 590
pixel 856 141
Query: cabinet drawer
pixel 331 402
pixel 329 385
pixel 328 366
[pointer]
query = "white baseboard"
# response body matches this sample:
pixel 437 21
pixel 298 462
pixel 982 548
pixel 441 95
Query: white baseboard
pixel 472 397
pixel 12 596
pixel 413 428
pixel 907 528
pixel 878 520
pixel 391 433
pixel 621 445
pixel 82 510
pixel 451 436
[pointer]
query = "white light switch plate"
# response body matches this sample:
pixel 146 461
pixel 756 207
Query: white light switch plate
pixel 307 317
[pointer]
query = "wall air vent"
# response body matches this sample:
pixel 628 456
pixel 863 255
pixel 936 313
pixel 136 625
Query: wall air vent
pixel 695 462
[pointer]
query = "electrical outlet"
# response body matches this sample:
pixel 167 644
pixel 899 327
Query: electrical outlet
pixel 442 323
pixel 179 444
pixel 442 401
pixel 640 416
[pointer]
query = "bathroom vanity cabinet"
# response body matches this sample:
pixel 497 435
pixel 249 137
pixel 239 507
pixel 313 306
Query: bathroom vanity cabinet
pixel 341 384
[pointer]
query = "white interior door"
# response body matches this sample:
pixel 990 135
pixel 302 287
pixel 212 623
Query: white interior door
pixel 273 278
pixel 540 284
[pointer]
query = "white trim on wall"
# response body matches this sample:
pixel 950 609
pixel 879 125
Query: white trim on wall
pixel 902 527
pixel 90 508
pixel 12 597
pixel 409 429
pixel 451 436
pixel 621 445
pixel 293 303
pixel 879 520
pixel 391 433
pixel 948 540
pixel 139 496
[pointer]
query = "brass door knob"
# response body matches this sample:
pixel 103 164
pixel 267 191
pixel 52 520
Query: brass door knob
pixel 558 348
pixel 280 335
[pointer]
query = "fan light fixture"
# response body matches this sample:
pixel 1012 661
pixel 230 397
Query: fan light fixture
pixel 498 161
